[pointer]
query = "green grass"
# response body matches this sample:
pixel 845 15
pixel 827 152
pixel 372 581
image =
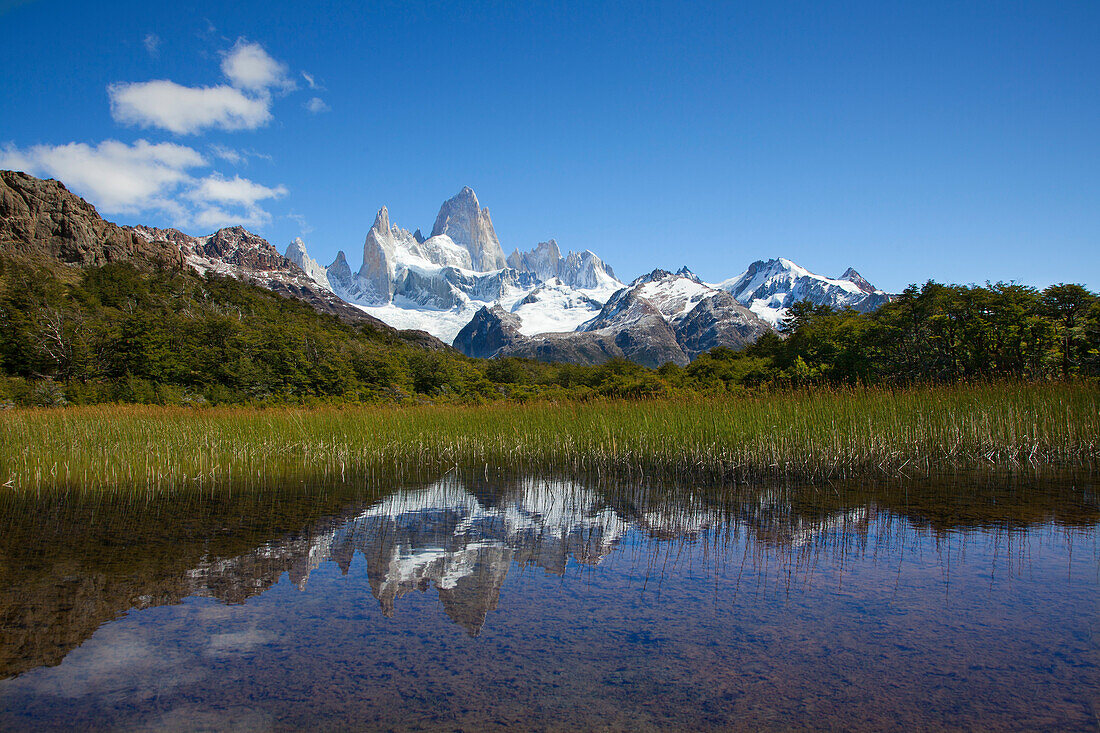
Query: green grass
pixel 812 435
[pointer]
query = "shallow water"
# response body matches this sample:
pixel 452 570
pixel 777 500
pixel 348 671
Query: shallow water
pixel 474 604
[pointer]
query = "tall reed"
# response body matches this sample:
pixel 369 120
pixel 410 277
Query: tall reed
pixel 811 435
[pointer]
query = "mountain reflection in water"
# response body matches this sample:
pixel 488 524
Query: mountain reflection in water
pixel 68 569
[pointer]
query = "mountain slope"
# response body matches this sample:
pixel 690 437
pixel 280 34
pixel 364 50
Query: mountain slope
pixel 456 284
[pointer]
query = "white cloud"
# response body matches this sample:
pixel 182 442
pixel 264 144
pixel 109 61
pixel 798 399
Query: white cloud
pixel 316 106
pixel 257 154
pixel 238 157
pixel 227 154
pixel 248 66
pixel 148 179
pixel 214 192
pixel 236 190
pixel 215 217
pixel 311 81
pixel 152 43
pixel 119 178
pixel 303 225
pixel 186 110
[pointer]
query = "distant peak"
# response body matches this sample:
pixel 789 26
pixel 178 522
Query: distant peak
pixel 466 195
pixel 382 219
pixel 296 246
pixel 776 264
pixel 656 274
pixel 858 280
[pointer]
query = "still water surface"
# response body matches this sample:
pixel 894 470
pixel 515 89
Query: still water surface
pixel 474 604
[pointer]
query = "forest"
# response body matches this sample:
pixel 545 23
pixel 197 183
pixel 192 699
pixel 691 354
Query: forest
pixel 117 333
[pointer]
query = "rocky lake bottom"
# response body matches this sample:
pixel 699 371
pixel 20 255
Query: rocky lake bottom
pixel 473 603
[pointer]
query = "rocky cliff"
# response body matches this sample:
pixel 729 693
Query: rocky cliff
pixel 468 225
pixel 41 219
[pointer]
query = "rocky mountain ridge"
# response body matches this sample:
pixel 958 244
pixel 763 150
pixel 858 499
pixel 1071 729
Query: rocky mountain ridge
pixel 455 284
pixel 42 220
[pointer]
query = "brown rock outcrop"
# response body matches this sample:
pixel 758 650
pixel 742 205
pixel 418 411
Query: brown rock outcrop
pixel 42 219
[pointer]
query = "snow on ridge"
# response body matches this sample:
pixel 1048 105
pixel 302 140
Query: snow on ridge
pixel 675 295
pixel 769 287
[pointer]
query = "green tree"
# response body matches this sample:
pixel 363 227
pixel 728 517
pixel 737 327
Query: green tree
pixel 1067 304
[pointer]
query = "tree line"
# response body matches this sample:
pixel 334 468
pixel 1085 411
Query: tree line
pixel 120 334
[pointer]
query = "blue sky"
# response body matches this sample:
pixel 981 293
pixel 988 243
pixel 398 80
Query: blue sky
pixel 954 141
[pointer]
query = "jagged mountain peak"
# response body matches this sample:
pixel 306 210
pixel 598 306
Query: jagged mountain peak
pixel 382 220
pixel 470 226
pixel 685 272
pixel 296 245
pixel 652 276
pixel 340 261
pixel 297 253
pixel 583 270
pixel 861 282
pixel 662 274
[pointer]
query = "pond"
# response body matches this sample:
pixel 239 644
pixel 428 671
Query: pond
pixel 469 602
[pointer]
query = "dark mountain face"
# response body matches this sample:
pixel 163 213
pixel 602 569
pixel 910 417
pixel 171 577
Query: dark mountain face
pixel 858 280
pixel 718 321
pixel 489 331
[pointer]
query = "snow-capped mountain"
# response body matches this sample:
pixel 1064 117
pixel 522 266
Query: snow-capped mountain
pixel 458 285
pixel 661 317
pixel 769 287
pixel 438 284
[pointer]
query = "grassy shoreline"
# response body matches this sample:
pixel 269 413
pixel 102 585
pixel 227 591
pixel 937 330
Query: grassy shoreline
pixel 814 435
